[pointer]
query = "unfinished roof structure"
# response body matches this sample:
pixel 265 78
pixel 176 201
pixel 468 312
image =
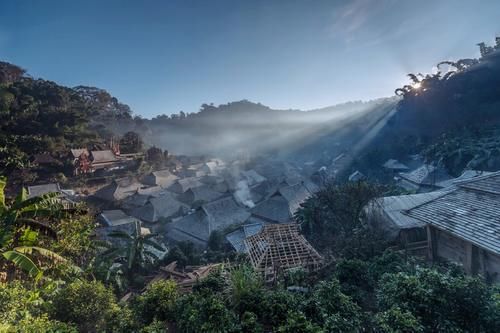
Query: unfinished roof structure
pixel 280 247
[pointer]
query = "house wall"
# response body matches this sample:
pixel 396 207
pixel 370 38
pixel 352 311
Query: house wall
pixel 443 245
pixel 491 266
pixel 451 248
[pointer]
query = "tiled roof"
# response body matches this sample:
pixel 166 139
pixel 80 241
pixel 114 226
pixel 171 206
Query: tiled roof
pixel 202 194
pixel 426 175
pixel 488 183
pixel 162 178
pixel 184 184
pixel 193 227
pixel 163 206
pixel 295 195
pixel 395 206
pixel 224 212
pixel 252 177
pixel 237 237
pixel 466 175
pixel 470 212
pixel 274 209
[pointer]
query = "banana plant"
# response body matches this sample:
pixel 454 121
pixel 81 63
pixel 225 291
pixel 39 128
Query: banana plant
pixel 23 215
pixel 25 212
pixel 135 254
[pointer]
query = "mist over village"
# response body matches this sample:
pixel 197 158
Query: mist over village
pixel 236 166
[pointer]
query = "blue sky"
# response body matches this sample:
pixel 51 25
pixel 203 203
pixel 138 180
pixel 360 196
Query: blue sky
pixel 166 56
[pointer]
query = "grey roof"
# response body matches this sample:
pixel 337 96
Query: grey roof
pixel 466 175
pixel 115 217
pixel 163 206
pixel 488 183
pixel 38 190
pixel 211 179
pixel 216 215
pixel 154 191
pixel 261 191
pixel 103 156
pixel 237 237
pixel 395 206
pixel 135 200
pixel 193 227
pixel 426 175
pixel 184 184
pixel 210 167
pixel 311 186
pixel 394 165
pixel 295 195
pixel 356 176
pixel 252 177
pixel 202 194
pixel 224 212
pixel 274 209
pixel 163 178
pixel 119 189
pixel 472 215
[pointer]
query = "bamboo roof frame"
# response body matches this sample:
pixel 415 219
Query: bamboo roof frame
pixel 280 247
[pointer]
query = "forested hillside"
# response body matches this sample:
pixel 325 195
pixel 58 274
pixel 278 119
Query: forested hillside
pixel 450 117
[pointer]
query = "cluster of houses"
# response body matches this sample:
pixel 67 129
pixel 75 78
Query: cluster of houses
pixel 194 198
pixel 252 205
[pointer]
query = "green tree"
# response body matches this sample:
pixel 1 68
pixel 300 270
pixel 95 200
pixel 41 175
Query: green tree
pixel 87 304
pixel 441 301
pixel 131 142
pixel 157 303
pixel 335 219
pixel 396 320
pixel 201 312
pixel 332 309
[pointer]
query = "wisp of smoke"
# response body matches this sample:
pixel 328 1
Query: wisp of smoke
pixel 242 194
